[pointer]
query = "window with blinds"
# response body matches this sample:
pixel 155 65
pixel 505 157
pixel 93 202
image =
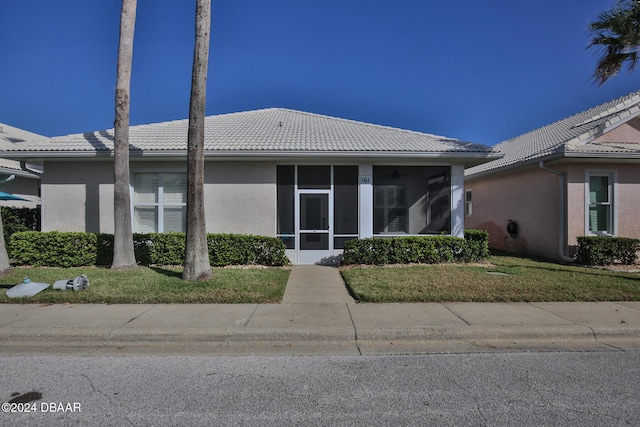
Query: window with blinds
pixel 468 203
pixel 159 202
pixel 600 203
pixel 390 209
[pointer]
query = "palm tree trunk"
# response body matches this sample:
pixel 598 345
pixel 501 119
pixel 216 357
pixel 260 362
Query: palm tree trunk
pixel 123 253
pixel 5 266
pixel 196 262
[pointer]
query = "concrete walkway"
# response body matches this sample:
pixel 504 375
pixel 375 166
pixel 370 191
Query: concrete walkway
pixel 315 284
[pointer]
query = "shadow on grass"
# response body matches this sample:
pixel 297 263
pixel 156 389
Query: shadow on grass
pixel 501 253
pixel 586 270
pixel 167 272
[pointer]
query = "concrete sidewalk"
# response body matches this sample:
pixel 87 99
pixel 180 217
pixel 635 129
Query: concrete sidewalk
pixel 316 328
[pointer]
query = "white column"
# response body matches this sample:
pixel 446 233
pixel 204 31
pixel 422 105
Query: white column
pixel 365 202
pixel 457 200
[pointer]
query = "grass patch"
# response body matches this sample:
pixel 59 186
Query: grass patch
pixel 523 280
pixel 149 285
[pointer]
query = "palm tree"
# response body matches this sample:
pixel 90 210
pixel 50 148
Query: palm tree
pixel 123 253
pixel 5 266
pixel 616 36
pixel 196 261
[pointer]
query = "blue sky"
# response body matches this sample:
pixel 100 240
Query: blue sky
pixel 482 71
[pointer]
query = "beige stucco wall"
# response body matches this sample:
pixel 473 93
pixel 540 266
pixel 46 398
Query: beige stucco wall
pixel 626 133
pixel 240 197
pixel 78 196
pixel 530 198
pixel 626 199
pixel 575 202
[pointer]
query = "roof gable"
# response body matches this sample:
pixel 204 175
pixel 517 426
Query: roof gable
pixel 573 136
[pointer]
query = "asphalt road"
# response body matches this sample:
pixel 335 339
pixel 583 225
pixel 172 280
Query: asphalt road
pixel 481 389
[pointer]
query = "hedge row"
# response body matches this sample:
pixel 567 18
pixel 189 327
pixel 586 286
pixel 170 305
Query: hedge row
pixel 19 219
pixel 418 249
pixel 603 250
pixel 57 249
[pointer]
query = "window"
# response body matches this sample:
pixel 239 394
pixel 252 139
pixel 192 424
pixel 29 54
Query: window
pixel 390 210
pixel 600 203
pixel 286 198
pixel 159 202
pixel 345 204
pixel 468 205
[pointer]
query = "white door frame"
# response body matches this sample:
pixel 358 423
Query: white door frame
pixel 314 256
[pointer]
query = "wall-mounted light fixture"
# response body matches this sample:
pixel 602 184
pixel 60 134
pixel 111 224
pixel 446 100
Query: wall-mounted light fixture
pixel 512 229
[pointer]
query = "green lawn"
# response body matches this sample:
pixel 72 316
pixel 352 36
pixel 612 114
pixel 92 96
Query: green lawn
pixel 154 285
pixel 517 279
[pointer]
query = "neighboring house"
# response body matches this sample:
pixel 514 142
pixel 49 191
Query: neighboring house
pixel 575 177
pixel 26 177
pixel 313 181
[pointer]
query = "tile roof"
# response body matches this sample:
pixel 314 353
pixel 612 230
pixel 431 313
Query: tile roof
pixel 9 137
pixel 573 136
pixel 261 131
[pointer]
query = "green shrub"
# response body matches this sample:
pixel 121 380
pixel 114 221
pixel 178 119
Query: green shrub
pixel 228 249
pixel 604 250
pixel 417 249
pixel 477 247
pixel 264 250
pixel 82 249
pixel 19 219
pixel 159 248
pixel 104 250
pixel 54 249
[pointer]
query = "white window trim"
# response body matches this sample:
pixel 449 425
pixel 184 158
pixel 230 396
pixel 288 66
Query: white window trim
pixel 468 203
pixel 160 204
pixel 613 176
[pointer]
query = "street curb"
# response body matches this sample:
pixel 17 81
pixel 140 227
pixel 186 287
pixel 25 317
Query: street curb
pixel 17 336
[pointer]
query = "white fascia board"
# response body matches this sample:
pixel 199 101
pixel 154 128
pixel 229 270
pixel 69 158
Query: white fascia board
pixel 511 166
pixel 242 154
pixel 30 155
pixel 570 156
pixel 603 155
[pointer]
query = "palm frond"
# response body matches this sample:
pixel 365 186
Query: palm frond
pixel 616 38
